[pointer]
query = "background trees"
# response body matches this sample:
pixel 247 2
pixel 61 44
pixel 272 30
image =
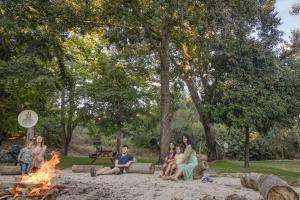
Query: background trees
pixel 135 68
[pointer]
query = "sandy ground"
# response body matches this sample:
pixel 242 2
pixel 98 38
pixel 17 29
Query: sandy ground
pixel 145 187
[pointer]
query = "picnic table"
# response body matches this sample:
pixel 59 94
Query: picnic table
pixel 103 152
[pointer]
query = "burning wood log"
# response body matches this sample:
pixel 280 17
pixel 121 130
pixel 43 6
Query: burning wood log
pixel 10 170
pixel 269 186
pixel 142 168
pixel 84 168
pixel 37 183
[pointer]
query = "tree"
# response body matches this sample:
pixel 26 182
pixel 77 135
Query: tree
pixel 33 36
pixel 149 25
pixel 254 97
pixel 204 30
pixel 26 78
pixel 117 96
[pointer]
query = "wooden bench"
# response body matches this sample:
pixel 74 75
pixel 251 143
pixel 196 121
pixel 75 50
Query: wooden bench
pixel 102 152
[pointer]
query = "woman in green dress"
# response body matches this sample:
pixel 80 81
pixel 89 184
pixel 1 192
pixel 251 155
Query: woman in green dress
pixel 189 161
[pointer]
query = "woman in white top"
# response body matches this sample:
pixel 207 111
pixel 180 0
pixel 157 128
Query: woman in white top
pixel 37 154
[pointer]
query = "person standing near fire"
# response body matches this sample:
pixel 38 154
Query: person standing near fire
pixel 37 154
pixel 24 157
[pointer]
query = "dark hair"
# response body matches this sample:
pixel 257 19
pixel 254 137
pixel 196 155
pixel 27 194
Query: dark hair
pixel 189 141
pixel 125 145
pixel 170 145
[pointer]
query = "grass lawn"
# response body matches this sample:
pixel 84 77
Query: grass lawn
pixel 67 161
pixel 288 170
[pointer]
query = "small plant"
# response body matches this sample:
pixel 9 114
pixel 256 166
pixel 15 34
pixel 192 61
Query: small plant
pixel 204 150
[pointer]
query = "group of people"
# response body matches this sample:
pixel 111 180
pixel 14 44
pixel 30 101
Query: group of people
pixel 32 155
pixel 177 164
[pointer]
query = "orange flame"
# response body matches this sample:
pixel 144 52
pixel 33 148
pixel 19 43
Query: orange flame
pixel 42 176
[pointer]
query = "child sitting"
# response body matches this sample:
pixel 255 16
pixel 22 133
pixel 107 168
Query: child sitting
pixel 24 157
pixel 169 160
pixel 178 158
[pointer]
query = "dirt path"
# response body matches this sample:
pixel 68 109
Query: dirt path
pixel 145 187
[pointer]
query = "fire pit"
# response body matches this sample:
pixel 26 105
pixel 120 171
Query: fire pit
pixel 36 185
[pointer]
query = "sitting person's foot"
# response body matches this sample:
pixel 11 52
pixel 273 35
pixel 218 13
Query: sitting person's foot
pixel 93 172
pixel 167 178
pixel 173 178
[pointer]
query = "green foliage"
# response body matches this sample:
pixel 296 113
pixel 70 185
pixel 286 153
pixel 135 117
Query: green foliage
pixel 49 127
pixel 96 63
pixel 276 144
pixel 287 170
pixel 186 121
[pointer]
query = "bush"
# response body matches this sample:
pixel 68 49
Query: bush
pixel 49 128
pixel 276 144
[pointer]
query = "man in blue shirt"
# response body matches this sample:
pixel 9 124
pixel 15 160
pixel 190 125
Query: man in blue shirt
pixel 122 161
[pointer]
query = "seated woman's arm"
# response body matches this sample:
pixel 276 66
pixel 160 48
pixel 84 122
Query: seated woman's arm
pixel 187 154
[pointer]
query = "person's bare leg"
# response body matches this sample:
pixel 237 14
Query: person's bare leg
pixel 167 172
pixel 173 167
pixel 177 175
pixel 112 171
pixel 163 169
pixel 101 171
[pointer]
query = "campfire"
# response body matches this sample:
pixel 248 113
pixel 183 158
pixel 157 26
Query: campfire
pixel 36 184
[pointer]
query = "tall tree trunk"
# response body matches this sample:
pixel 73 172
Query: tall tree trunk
pixel 165 99
pixel 63 119
pixel 71 124
pixel 29 134
pixel 247 147
pixel 297 132
pixel 298 142
pixel 119 136
pixel 215 152
pixel 3 135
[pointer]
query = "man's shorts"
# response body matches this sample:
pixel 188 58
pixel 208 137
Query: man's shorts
pixel 24 166
pixel 120 168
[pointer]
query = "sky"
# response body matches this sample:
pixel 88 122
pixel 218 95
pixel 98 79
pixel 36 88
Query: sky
pixel 289 22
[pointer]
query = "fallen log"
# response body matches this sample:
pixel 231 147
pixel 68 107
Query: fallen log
pixel 10 170
pixel 198 171
pixel 269 186
pixel 84 168
pixel 235 197
pixel 250 180
pixel 141 168
pixel 5 185
pixel 6 196
pixel 208 197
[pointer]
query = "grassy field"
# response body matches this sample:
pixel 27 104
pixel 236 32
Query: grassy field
pixel 289 170
pixel 67 162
